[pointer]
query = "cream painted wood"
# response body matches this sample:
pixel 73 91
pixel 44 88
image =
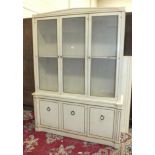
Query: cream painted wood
pixel 104 141
pixel 120 51
pixel 77 113
pixel 36 111
pixel 49 114
pixel 126 90
pixel 76 134
pixel 87 72
pixel 97 101
pixel 60 60
pixel 35 54
pixel 78 11
pixel 74 118
pixel 101 122
pixel 74 52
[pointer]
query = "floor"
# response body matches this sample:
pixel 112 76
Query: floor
pixel 42 143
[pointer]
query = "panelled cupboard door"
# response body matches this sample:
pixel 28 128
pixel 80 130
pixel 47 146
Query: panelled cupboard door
pixel 47 54
pixel 74 118
pixel 101 122
pixel 73 51
pixel 49 113
pixel 104 35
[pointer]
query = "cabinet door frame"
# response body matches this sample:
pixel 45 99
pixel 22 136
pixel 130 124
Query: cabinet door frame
pixel 88 25
pixel 120 45
pixel 36 52
pixel 86 51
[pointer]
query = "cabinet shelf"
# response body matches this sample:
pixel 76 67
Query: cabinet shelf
pixel 48 56
pixel 101 57
pixel 74 57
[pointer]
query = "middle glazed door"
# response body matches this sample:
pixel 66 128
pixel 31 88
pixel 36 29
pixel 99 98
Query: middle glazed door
pixel 74 41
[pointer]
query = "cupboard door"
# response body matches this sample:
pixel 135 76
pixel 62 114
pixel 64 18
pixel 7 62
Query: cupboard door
pixel 49 113
pixel 47 54
pixel 73 52
pixel 101 122
pixel 104 34
pixel 74 118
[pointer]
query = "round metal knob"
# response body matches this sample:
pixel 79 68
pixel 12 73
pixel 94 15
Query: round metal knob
pixel 101 117
pixel 72 113
pixel 48 109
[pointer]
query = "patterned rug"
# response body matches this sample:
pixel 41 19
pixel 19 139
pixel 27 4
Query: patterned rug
pixel 42 143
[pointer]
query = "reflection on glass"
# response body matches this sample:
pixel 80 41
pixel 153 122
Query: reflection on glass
pixel 74 75
pixel 103 77
pixel 104 35
pixel 48 74
pixel 47 37
pixel 73 37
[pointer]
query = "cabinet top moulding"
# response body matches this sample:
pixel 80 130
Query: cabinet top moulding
pixel 76 11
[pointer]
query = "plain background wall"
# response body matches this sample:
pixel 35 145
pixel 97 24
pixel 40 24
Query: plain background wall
pixel 41 6
pixel 116 3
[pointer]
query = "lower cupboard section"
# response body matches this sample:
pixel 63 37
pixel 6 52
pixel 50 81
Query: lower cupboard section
pixel 86 122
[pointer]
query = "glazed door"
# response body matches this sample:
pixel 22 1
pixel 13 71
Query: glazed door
pixel 48 54
pixel 73 52
pixel 103 54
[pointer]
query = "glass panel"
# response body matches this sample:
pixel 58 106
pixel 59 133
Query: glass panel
pixel 103 77
pixel 47 37
pixel 48 74
pixel 73 37
pixel 104 35
pixel 74 75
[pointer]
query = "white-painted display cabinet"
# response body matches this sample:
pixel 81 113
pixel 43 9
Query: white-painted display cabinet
pixel 77 63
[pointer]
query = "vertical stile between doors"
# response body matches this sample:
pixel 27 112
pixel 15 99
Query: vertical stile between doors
pixel 60 60
pixel 89 53
pixel 86 53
